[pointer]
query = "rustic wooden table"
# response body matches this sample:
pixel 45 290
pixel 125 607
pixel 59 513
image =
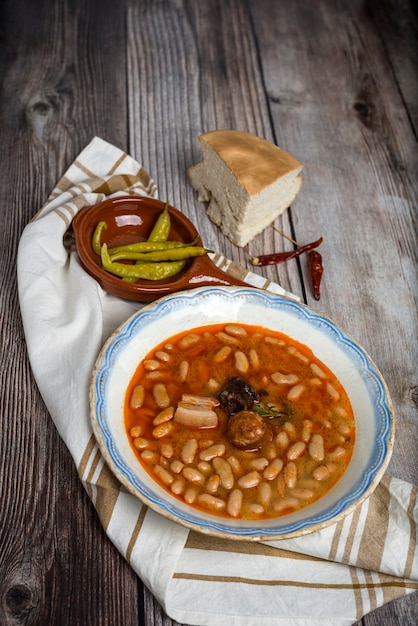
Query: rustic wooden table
pixel 335 83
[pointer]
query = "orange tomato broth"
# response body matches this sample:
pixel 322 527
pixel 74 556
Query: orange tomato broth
pixel 323 402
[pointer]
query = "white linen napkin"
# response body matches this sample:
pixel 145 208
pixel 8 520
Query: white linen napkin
pixel 331 577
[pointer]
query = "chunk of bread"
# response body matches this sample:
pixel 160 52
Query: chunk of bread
pixel 247 182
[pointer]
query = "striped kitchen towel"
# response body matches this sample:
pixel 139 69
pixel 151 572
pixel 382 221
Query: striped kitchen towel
pixel 330 577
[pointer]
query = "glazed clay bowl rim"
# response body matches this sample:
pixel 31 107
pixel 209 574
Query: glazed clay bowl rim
pixel 375 420
pixel 131 218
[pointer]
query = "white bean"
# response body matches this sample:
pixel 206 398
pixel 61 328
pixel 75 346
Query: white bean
pixel 301 356
pixel 162 356
pixel 306 430
pixel 222 354
pixel 273 470
pixel 254 360
pixel 281 484
pixel 296 392
pixel 177 486
pixel 223 469
pixel 241 362
pixel 211 502
pixel 161 396
pixel 234 504
pixel 183 370
pixel 317 370
pixel 344 428
pixel 156 375
pixel 141 443
pixel 274 341
pixel 206 443
pixel 282 440
pixel 259 464
pixel 308 483
pixel 264 493
pixel 286 503
pixel 296 450
pixel 290 473
pixel 162 430
pixel 136 431
pixel 333 392
pixel 163 474
pixel 228 339
pixel 164 416
pixel 290 429
pixel 284 379
pixel 315 382
pixel 271 451
pixel 316 448
pixel 167 450
pixel 204 467
pixel 252 479
pixel 148 456
pixel 193 475
pixel 189 451
pixel 213 385
pixel 255 509
pixel 235 464
pixel 218 449
pixel 212 483
pixel 190 495
pixel 151 364
pixel 321 472
pixel 336 453
pixel 138 397
pixel 176 466
pixel 188 341
pixel 302 493
pixel 235 331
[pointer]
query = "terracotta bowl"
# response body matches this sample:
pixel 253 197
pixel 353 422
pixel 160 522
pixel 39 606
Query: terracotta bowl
pixel 131 219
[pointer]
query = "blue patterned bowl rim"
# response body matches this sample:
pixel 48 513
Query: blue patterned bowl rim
pixel 184 305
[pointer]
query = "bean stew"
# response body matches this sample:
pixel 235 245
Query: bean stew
pixel 239 421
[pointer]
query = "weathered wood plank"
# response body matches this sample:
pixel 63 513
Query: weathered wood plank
pixel 397 26
pixel 334 94
pixel 56 566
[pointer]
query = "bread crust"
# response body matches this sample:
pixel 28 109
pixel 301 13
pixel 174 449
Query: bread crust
pixel 246 181
pixel 256 163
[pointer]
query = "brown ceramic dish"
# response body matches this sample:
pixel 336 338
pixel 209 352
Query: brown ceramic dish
pixel 131 219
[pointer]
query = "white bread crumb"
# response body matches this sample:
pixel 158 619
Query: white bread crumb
pixel 247 182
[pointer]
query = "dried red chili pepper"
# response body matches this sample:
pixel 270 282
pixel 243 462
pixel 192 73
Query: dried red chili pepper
pixel 316 270
pixel 280 257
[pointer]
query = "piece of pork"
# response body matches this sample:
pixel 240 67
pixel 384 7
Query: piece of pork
pixel 196 412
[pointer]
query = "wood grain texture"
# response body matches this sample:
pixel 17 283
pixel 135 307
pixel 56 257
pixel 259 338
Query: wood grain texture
pixel 349 124
pixel 334 83
pixel 206 55
pixel 56 565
